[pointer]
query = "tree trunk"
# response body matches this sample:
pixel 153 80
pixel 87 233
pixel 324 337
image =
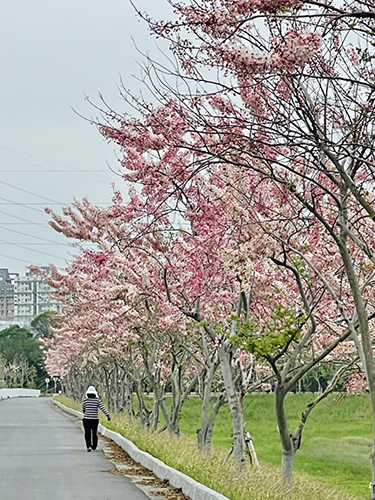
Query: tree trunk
pixel 129 404
pixel 176 401
pixel 204 434
pixel 234 405
pixel 287 463
pixel 142 410
pixel 115 392
pixel 366 340
pixel 157 399
pixel 287 460
pixel 208 418
pixel 155 413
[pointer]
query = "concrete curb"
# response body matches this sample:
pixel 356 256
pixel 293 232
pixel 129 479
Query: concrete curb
pixel 189 486
pixel 19 393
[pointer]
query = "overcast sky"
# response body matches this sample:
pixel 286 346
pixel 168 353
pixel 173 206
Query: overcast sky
pixel 52 54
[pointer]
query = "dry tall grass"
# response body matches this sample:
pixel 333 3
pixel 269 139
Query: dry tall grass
pixel 181 453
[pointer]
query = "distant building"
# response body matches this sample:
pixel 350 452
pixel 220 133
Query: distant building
pixel 32 297
pixel 7 295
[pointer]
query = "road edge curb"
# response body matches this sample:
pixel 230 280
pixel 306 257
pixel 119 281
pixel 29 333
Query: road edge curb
pixel 189 486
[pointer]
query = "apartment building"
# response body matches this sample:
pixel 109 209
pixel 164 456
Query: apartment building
pixel 7 295
pixel 32 297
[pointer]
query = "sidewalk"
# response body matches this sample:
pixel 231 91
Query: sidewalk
pixel 188 486
pixel 43 457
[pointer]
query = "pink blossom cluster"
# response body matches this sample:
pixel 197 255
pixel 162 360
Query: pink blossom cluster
pixel 356 384
pixel 270 6
pixel 215 16
pixel 293 50
pixel 296 48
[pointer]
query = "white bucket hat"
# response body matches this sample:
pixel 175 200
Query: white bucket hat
pixel 91 390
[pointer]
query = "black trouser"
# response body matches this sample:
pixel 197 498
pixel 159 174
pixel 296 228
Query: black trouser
pixel 91 428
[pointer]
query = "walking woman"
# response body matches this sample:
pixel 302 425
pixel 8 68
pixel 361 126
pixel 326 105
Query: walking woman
pixel 90 408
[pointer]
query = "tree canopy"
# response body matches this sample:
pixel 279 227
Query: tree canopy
pixel 250 220
pixel 22 358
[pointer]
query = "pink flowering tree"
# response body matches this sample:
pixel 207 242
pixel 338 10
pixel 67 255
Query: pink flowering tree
pixel 267 162
pixel 223 273
pixel 285 90
pixel 241 265
pixel 178 276
pixel 109 329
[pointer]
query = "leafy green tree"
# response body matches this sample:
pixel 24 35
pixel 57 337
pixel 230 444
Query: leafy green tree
pixel 21 353
pixel 40 326
pixel 2 372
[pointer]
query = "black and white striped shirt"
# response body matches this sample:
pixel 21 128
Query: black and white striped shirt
pixel 91 407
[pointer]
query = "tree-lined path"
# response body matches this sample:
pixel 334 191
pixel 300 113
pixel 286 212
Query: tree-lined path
pixel 43 457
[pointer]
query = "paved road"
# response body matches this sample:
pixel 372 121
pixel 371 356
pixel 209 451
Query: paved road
pixel 43 457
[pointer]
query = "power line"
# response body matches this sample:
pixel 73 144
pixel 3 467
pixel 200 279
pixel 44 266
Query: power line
pixel 10 202
pixel 73 170
pixel 36 157
pixel 32 250
pixel 28 192
pixel 15 258
pixel 45 171
pixel 27 243
pixel 43 204
pixel 30 204
pixel 36 206
pixel 27 205
pixel 32 236
pixel 25 221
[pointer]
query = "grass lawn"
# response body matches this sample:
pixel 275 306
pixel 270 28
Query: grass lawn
pixel 332 463
pixel 336 443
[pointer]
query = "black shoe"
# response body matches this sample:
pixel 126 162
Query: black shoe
pixel 93 449
pixel 88 449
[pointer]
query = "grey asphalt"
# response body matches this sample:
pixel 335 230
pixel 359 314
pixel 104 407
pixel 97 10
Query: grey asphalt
pixel 43 457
